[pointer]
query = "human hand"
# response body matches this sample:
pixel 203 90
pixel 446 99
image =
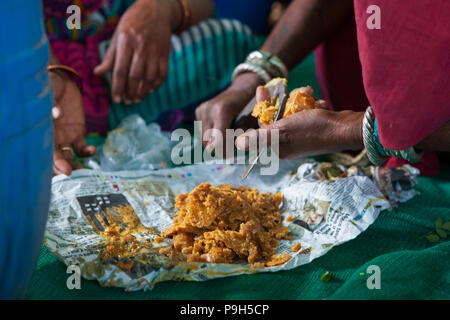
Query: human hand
pixel 309 132
pixel 139 51
pixel 68 124
pixel 219 112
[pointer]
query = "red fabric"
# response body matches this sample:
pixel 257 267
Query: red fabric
pixel 339 73
pixel 338 70
pixel 428 166
pixel 406 67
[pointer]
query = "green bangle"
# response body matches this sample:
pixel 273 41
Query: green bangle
pixel 373 145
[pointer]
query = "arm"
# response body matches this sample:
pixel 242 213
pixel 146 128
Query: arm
pixel 68 122
pixel 317 132
pixel 438 140
pixel 200 10
pixel 305 24
pixel 138 55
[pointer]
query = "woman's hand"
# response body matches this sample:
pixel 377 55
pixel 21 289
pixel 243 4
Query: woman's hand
pixel 219 112
pixel 308 133
pixel 139 51
pixel 68 124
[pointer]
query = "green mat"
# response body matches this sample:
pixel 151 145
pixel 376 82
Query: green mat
pixel 411 266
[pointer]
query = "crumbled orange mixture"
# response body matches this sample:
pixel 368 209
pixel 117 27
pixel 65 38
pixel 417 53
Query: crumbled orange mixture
pixel 159 239
pixel 119 240
pixel 265 111
pixel 218 224
pixel 125 265
pixel 296 247
pixel 289 219
pixel 297 101
pixel 278 259
pixel 119 243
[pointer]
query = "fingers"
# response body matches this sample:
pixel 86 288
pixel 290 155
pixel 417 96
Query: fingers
pixel 262 94
pixel 305 90
pixel 63 162
pixel 121 69
pixel 152 73
pixel 82 149
pixel 254 139
pixel 163 71
pixel 218 134
pixel 60 164
pixel 108 61
pixel 136 76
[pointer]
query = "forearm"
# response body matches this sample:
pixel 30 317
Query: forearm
pixel 304 25
pixel 200 10
pixel 53 59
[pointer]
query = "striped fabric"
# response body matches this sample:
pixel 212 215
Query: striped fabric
pixel 201 64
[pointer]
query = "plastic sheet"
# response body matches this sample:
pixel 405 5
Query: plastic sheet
pixel 133 146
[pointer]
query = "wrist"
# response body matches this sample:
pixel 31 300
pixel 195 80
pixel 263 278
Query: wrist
pixel 349 125
pixel 169 11
pixel 247 84
pixel 175 14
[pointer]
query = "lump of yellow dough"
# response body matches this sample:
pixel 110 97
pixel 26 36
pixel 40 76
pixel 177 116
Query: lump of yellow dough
pixel 299 101
pixel 265 111
pixel 218 224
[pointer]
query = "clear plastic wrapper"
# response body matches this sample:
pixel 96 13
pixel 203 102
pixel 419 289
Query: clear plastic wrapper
pixel 133 146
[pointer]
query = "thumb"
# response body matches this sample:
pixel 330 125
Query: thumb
pixel 262 94
pixel 255 139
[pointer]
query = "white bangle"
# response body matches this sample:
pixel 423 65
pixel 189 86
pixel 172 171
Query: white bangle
pixel 249 67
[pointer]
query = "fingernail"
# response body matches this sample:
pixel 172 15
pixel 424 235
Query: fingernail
pixel 209 147
pixel 117 99
pixel 241 142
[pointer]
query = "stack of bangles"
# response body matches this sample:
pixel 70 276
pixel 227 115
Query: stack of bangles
pixel 376 153
pixel 263 64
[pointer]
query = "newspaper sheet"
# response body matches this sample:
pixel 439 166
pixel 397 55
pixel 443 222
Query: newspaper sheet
pixel 327 205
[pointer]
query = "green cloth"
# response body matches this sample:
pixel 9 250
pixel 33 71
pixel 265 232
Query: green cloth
pixel 411 266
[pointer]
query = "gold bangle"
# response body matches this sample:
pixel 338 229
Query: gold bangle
pixel 186 15
pixel 73 75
